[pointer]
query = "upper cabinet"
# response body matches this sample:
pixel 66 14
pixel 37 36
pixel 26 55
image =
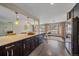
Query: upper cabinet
pixel 74 12
pixel 70 14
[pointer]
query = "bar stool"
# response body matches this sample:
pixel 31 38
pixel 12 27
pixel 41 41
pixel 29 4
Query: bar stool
pixel 9 50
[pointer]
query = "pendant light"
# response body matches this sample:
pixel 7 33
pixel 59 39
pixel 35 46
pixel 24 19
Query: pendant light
pixel 17 19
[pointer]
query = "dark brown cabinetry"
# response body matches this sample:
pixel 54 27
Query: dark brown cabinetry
pixel 73 37
pixel 23 47
pixel 75 32
pixel 13 49
pixel 74 12
pixel 70 14
pixel 26 47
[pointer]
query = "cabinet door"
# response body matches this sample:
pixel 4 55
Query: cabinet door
pixel 2 51
pixel 14 49
pixel 76 10
pixel 75 36
pixel 26 47
pixel 70 14
pixel 8 50
pixel 17 49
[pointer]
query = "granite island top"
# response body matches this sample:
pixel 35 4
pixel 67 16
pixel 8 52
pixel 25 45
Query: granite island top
pixel 13 38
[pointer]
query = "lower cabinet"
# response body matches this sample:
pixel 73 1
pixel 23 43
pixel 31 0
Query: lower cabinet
pixel 2 51
pixel 18 48
pixel 14 49
pixel 21 48
pixel 26 47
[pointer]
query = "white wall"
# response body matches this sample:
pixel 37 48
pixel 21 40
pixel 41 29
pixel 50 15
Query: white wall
pixel 54 19
pixel 23 21
pixel 7 15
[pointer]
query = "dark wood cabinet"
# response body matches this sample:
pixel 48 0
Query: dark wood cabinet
pixel 73 12
pixel 21 48
pixel 17 49
pixel 70 14
pixel 76 10
pixel 3 51
pixel 73 17
pixel 75 30
pixel 26 47
pixel 13 49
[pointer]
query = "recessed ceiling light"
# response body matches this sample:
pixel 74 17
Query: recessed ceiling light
pixel 51 3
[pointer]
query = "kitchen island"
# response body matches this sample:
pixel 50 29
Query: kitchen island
pixel 20 44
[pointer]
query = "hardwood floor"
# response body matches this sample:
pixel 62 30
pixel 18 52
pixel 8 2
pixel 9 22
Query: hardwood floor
pixel 53 46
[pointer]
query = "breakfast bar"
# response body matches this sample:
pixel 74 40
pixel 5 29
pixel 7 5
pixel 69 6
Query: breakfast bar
pixel 20 44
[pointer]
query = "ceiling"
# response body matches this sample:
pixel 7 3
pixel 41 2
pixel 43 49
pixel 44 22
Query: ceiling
pixel 6 14
pixel 45 11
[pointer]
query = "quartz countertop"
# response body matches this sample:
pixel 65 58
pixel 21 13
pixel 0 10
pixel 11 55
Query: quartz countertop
pixel 13 38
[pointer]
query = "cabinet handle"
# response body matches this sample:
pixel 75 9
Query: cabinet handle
pixel 9 47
